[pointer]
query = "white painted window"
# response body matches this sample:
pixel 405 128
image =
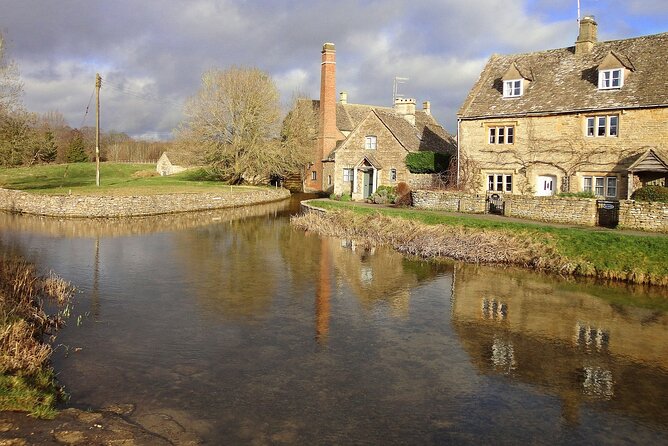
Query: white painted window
pixel 513 88
pixel 499 182
pixel 393 174
pixel 502 135
pixel 370 142
pixel 347 175
pixel 600 186
pixel 314 175
pixel 610 79
pixel 601 126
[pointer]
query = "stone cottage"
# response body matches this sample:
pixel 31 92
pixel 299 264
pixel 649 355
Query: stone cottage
pixel 592 117
pixel 361 147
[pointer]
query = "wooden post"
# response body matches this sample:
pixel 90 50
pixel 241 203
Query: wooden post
pixel 98 84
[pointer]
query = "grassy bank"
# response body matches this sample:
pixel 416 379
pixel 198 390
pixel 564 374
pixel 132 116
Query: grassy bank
pixel 27 382
pixel 577 251
pixel 115 179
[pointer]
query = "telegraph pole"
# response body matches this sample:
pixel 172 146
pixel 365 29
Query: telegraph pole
pixel 98 84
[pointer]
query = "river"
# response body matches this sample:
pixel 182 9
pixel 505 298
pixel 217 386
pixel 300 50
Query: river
pixel 240 329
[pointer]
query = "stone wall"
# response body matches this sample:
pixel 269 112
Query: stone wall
pixel 573 211
pixel 126 206
pixel 449 201
pixel 643 215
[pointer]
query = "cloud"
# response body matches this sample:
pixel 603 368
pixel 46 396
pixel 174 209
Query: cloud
pixel 160 49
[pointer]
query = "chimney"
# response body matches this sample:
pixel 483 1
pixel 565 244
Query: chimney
pixel 587 37
pixel 426 107
pixel 343 97
pixel 405 107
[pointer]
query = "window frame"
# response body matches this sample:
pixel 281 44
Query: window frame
pixel 393 175
pixel 607 79
pixel 601 186
pixel 500 182
pixel 501 134
pixel 513 88
pixel 314 175
pixel 370 142
pixel 348 172
pixel 602 126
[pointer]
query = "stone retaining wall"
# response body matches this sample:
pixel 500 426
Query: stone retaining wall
pixel 128 206
pixel 448 201
pixel 643 215
pixel 572 211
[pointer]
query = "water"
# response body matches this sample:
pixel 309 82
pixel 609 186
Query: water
pixel 240 329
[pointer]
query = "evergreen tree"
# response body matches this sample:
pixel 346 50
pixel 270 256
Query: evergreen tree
pixel 49 150
pixel 76 151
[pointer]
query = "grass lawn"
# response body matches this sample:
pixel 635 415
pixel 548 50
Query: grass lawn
pixel 614 254
pixel 115 179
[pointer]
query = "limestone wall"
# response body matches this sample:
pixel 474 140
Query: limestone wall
pixel 125 206
pixel 643 215
pixel 449 201
pixel 575 211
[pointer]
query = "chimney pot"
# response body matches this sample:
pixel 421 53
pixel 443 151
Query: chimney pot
pixel 343 97
pixel 426 107
pixel 405 107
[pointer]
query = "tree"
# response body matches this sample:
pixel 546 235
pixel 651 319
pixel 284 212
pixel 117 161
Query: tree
pixel 18 138
pixel 231 124
pixel 11 87
pixel 76 151
pixel 49 149
pixel 298 136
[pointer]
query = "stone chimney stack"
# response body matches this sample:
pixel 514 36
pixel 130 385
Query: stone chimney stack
pixel 405 107
pixel 587 37
pixel 343 97
pixel 426 107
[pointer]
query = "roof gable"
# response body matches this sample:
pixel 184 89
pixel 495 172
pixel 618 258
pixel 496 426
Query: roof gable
pixel 652 160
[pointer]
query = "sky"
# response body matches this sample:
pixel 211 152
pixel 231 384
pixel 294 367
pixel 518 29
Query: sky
pixel 151 53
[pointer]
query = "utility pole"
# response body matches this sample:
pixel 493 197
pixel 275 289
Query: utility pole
pixel 98 84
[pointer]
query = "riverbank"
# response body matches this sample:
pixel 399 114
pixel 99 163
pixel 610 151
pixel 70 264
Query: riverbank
pixel 608 255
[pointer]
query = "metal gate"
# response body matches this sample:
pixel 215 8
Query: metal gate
pixel 495 204
pixel 607 214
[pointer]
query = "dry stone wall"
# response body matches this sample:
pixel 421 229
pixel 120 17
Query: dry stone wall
pixel 127 206
pixel 574 211
pixel 643 215
pixel 448 201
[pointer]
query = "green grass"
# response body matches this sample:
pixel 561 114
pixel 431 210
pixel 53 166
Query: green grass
pixel 115 179
pixel 36 393
pixel 612 254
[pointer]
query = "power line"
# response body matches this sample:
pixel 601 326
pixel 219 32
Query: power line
pixel 87 108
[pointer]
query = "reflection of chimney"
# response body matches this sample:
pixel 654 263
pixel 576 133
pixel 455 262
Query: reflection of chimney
pixel 323 293
pixel 426 107
pixel 405 107
pixel 343 97
pixel 587 37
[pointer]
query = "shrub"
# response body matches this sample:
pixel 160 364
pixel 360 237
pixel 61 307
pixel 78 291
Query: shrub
pixel 651 193
pixel 403 195
pixel 384 195
pixel 427 162
pixel 577 194
pixel 340 197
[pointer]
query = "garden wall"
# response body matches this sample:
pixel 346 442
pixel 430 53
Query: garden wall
pixel 643 215
pixel 126 206
pixel 572 211
pixel 448 201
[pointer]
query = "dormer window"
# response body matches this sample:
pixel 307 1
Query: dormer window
pixel 512 88
pixel 610 79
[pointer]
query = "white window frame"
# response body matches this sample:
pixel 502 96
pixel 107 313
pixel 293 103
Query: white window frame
pixel 500 182
pixel 513 88
pixel 608 81
pixel 370 142
pixel 602 126
pixel 347 175
pixel 501 135
pixel 314 175
pixel 601 186
pixel 393 175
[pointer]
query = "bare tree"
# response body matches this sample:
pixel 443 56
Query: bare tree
pixel 11 87
pixel 298 137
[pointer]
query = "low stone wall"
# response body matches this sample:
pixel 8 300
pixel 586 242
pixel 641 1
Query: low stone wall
pixel 573 211
pixel 448 201
pixel 643 215
pixel 127 206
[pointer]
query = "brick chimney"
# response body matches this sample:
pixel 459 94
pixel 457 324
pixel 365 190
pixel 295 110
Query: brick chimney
pixel 405 107
pixel 327 130
pixel 587 37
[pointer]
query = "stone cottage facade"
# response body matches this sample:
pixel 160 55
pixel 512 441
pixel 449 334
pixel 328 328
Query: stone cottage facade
pixel 588 118
pixel 361 147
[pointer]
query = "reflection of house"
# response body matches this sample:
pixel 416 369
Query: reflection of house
pixel 362 147
pixel 577 119
pixel 566 342
pixel 165 164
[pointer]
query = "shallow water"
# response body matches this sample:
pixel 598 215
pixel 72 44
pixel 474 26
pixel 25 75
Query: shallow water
pixel 244 330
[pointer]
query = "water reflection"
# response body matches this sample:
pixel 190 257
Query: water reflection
pixel 247 331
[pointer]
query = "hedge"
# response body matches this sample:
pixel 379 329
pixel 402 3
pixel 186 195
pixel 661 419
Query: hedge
pixel 427 162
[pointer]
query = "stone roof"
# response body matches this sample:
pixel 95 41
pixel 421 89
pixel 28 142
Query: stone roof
pixel 560 81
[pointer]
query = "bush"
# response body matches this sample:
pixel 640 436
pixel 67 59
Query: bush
pixel 651 193
pixel 427 162
pixel 403 195
pixel 341 197
pixel 384 195
pixel 577 194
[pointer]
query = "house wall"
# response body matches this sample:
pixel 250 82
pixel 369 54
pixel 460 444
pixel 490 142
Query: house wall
pixel 389 154
pixel 558 146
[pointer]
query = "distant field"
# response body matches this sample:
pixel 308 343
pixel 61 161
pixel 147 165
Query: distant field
pixel 115 179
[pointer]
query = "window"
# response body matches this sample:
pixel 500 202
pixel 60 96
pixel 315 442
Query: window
pixel 393 174
pixel 347 175
pixel 610 79
pixel 314 175
pixel 329 180
pixel 599 126
pixel 600 186
pixel 512 89
pixel 370 142
pixel 502 135
pixel 498 182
